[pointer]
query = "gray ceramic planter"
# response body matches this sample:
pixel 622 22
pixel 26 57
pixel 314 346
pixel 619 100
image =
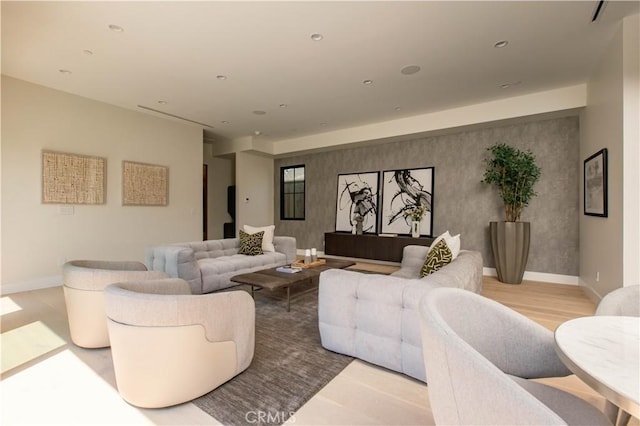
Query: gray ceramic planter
pixel 510 245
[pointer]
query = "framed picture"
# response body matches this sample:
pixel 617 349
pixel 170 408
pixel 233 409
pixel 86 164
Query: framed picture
pixel 595 184
pixel 144 184
pixel 357 199
pixel 73 178
pixel 402 190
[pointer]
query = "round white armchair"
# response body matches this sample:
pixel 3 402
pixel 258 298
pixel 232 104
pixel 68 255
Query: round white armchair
pixel 169 346
pixel 83 283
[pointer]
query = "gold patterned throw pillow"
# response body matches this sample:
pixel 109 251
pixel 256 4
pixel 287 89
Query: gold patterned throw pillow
pixel 440 255
pixel 251 244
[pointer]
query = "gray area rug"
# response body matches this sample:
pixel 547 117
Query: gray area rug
pixel 288 368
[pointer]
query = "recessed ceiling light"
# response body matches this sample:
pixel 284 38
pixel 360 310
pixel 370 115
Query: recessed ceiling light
pixel 116 28
pixel 316 36
pixel 224 122
pixel 221 77
pixel 67 72
pixel 367 82
pixel 500 44
pixel 259 112
pixel 397 108
pixel 87 52
pixel 283 105
pixel 162 102
pixel 257 132
pixel 410 69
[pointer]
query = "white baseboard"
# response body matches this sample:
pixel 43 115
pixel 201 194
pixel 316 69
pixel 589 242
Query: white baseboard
pixel 46 282
pixel 539 276
pixel 590 292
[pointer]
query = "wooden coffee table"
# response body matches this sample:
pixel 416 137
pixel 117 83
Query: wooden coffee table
pixel 272 280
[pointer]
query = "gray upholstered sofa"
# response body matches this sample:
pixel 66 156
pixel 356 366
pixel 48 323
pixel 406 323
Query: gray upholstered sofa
pixel 375 317
pixel 209 265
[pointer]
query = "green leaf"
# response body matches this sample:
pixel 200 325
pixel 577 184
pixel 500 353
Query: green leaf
pixel 514 173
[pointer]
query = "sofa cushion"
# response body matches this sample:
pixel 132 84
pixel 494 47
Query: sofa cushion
pixel 439 256
pixel 217 272
pixel 452 241
pixel 251 244
pixel 267 238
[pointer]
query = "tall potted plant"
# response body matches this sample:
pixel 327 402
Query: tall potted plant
pixel 514 172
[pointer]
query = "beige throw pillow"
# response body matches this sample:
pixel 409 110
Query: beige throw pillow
pixel 267 239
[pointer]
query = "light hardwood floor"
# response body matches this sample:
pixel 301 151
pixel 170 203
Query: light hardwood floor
pixel 46 379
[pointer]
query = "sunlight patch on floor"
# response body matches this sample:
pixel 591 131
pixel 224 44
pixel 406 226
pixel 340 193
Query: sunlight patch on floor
pixel 65 389
pixel 26 343
pixel 8 306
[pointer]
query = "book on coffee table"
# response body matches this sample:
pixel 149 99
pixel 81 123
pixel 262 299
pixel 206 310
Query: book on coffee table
pixel 288 269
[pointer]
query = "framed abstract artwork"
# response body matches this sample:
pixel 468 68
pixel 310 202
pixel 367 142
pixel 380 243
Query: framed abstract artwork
pixel 144 184
pixel 357 201
pixel 403 190
pixel 595 184
pixel 73 178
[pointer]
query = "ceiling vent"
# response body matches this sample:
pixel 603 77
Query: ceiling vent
pixel 174 116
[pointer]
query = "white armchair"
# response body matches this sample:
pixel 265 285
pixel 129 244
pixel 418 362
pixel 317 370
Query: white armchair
pixel 83 284
pixel 479 356
pixel 170 346
pixel 624 301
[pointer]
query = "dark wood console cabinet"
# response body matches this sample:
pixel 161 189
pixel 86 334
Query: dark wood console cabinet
pixel 370 246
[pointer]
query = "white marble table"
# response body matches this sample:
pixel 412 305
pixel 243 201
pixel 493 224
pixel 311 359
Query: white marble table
pixel 604 351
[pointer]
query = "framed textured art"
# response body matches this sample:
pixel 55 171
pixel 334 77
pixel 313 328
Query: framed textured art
pixel 357 201
pixel 144 184
pixel 595 184
pixel 402 191
pixel 73 178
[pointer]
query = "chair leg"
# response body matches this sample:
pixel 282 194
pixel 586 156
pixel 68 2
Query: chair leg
pixel 611 411
pixel 623 418
pixel 618 416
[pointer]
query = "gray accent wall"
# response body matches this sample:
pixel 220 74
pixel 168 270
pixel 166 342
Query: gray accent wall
pixel 461 203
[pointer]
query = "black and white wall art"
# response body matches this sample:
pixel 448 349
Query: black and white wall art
pixel 595 184
pixel 357 197
pixel 402 191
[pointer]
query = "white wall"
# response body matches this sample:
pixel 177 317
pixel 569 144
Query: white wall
pixel 631 148
pixel 254 184
pixel 36 238
pixel 609 122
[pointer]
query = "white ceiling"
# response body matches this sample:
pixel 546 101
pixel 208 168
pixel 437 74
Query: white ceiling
pixel 173 51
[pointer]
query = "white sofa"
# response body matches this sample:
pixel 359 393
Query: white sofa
pixel 209 265
pixel 375 317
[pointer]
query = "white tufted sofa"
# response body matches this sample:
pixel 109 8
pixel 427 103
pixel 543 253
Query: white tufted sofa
pixel 209 265
pixel 375 317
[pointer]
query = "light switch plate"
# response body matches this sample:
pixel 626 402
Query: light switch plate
pixel 65 210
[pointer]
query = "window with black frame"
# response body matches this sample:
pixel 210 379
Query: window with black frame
pixel 292 192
